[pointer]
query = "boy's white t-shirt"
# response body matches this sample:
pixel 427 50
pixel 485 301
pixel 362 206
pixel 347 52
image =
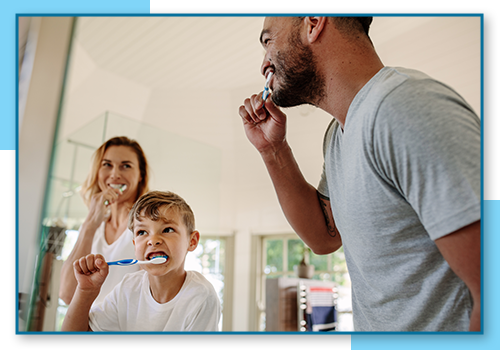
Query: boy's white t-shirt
pixel 130 307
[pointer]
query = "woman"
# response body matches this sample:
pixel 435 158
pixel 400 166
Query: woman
pixel 118 177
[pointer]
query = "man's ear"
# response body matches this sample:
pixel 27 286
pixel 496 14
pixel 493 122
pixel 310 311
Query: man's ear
pixel 315 26
pixel 194 238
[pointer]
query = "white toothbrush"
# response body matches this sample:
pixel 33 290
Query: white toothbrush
pixel 128 262
pixel 121 188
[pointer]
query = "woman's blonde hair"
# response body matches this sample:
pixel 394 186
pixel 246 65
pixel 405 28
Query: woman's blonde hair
pixel 91 186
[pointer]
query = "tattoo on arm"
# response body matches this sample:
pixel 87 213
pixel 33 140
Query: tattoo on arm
pixel 330 226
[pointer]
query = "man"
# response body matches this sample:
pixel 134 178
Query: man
pixel 400 188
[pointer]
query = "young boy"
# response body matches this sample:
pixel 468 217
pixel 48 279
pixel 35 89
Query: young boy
pixel 161 297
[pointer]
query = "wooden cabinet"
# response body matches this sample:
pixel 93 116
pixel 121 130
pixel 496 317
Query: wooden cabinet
pixel 282 302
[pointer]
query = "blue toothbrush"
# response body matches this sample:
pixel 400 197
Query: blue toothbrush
pixel 265 93
pixel 130 262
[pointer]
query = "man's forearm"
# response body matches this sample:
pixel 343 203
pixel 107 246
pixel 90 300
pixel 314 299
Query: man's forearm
pixel 475 318
pixel 462 251
pixel 299 201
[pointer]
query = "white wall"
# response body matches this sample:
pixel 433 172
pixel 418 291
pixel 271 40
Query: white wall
pixel 446 48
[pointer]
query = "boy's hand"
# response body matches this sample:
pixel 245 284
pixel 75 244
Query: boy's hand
pixel 90 272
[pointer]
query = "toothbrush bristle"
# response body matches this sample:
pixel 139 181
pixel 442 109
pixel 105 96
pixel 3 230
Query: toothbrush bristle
pixel 159 260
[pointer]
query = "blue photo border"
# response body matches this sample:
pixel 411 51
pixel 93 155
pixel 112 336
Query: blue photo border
pixel 487 339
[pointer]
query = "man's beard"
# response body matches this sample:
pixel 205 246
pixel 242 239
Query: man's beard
pixel 299 80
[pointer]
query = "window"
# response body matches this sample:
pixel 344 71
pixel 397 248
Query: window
pixel 209 259
pixel 279 256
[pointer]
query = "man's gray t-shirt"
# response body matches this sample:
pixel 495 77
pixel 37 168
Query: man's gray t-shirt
pixel 404 172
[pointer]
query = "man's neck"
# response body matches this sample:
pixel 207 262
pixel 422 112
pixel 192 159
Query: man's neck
pixel 347 68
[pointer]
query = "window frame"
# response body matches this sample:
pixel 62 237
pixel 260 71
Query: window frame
pixel 260 255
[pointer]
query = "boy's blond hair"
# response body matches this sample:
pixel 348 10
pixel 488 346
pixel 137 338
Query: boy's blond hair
pixel 149 204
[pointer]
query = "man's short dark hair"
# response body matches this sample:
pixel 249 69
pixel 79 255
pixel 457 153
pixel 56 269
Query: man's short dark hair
pixel 349 25
pixel 352 25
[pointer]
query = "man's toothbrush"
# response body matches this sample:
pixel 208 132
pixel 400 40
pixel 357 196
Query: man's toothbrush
pixel 129 262
pixel 265 93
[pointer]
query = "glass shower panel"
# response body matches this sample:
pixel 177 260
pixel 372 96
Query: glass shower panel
pixel 177 163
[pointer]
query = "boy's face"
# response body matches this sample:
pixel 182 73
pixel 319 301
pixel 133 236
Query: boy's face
pixel 167 236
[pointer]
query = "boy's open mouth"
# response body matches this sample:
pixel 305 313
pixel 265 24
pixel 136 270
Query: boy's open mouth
pixel 156 255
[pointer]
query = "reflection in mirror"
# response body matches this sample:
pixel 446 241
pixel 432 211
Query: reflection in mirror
pixel 66 211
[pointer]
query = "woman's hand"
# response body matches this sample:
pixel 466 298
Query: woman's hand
pixel 99 205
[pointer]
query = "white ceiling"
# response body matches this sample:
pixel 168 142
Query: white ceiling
pixel 176 52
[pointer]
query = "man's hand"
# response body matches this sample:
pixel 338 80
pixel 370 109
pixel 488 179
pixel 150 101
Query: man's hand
pixel 311 218
pixel 90 272
pixel 265 124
